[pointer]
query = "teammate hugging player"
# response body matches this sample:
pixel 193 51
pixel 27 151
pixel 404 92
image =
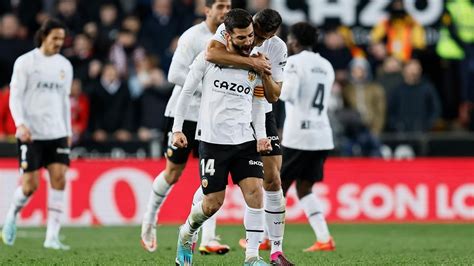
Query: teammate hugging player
pixel 267 44
pixel 40 106
pixel 230 103
pixel 307 134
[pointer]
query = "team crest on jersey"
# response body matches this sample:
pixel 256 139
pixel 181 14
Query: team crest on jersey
pixel 252 75
pixel 62 74
pixel 204 182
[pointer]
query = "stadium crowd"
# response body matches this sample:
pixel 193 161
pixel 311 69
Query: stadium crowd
pixel 121 51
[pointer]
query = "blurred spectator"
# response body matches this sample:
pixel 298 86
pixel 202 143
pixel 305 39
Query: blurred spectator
pixel 132 23
pixel 161 30
pixel 83 54
pixel 154 90
pixel 376 55
pixel 11 46
pixel 257 5
pixel 111 112
pixel 125 52
pixel 31 14
pixel 365 96
pixel 79 110
pixel 66 11
pixel 456 48
pixel 335 50
pixel 402 33
pixel 7 125
pixel 414 106
pixel 390 75
pixel 107 29
pixel 90 10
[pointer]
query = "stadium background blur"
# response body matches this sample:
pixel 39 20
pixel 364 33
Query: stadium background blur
pixel 129 44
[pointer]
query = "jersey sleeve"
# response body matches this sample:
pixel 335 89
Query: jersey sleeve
pixel 67 99
pixel 182 59
pixel 291 82
pixel 220 35
pixel 278 61
pixel 194 77
pixel 17 89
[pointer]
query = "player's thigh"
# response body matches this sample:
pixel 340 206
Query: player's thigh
pixel 313 169
pixel 214 162
pixel 180 155
pixel 56 152
pixel 292 163
pixel 29 156
pixel 272 134
pixel 246 162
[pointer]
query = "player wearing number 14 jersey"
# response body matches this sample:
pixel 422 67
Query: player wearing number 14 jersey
pixel 307 134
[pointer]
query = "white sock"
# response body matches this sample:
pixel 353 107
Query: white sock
pixel 159 191
pixel 55 211
pixel 275 218
pixel 209 226
pixel 314 213
pixel 194 221
pixel 19 201
pixel 209 230
pixel 254 224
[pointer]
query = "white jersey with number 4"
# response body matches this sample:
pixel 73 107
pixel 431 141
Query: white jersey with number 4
pixel 308 79
pixel 274 49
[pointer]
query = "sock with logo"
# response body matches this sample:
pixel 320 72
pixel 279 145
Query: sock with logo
pixel 314 212
pixel 55 212
pixel 275 218
pixel 19 201
pixel 254 224
pixel 159 191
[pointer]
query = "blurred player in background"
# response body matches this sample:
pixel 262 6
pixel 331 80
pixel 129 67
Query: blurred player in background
pixel 307 134
pixel 40 106
pixel 190 44
pixel 267 45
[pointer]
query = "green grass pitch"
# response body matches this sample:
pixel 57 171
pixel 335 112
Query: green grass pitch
pixel 382 244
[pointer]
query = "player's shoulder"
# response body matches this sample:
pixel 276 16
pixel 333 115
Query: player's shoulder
pixel 63 60
pixel 194 31
pixel 25 58
pixel 277 41
pixel 324 62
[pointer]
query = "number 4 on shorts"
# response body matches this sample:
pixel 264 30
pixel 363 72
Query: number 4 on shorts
pixel 208 167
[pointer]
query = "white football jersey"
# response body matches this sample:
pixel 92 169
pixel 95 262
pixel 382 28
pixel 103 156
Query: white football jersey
pixel 190 44
pixel 227 104
pixel 39 94
pixel 274 49
pixel 308 80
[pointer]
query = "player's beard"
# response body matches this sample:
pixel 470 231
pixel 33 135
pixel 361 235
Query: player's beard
pixel 244 50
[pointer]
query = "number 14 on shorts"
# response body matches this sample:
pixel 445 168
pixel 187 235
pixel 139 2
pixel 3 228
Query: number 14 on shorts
pixel 207 167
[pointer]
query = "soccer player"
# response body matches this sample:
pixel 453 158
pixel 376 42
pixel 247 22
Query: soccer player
pixel 267 44
pixel 190 44
pixel 40 106
pixel 231 102
pixel 307 134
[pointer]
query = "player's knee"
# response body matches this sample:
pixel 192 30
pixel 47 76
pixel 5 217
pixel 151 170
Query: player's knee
pixel 254 197
pixel 173 174
pixel 212 205
pixel 272 180
pixel 303 189
pixel 29 188
pixel 58 181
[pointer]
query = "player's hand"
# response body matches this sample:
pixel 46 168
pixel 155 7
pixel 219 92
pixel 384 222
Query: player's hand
pixel 261 64
pixel 179 140
pixel 264 145
pixel 23 134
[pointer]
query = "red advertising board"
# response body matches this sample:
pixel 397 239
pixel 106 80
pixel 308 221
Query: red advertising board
pixel 110 192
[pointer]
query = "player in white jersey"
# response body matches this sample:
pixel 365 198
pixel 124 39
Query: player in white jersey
pixel 190 44
pixel 231 102
pixel 40 106
pixel 307 134
pixel 267 44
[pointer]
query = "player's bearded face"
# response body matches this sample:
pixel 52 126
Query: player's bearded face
pixel 54 41
pixel 241 40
